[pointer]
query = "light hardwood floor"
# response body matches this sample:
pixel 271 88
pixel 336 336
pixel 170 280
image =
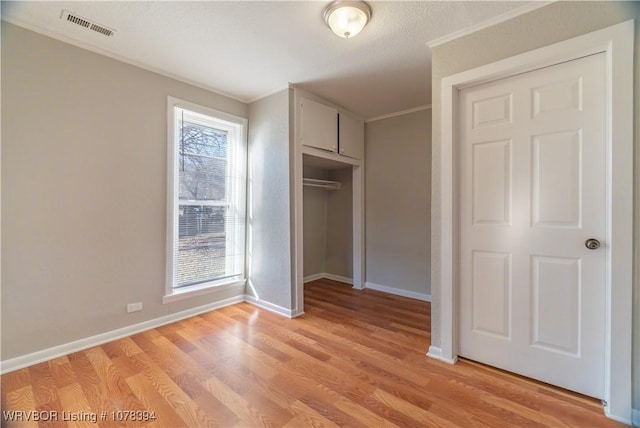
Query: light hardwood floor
pixel 354 359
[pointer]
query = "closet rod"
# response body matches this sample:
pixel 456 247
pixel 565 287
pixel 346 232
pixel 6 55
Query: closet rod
pixel 325 184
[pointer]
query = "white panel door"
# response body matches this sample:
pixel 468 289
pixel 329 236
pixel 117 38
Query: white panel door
pixel 532 168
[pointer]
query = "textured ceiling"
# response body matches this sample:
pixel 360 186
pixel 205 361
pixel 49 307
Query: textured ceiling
pixel 247 49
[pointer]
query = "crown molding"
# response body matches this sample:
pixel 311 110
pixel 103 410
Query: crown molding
pixel 530 7
pixel 95 49
pixel 398 113
pixel 271 92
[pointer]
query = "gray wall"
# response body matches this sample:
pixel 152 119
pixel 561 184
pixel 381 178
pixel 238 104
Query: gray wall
pixel 398 207
pixel 339 246
pixel 314 222
pixel 83 191
pixel 269 201
pixel 551 24
pixel 328 224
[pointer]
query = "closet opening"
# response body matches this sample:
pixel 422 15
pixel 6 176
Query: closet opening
pixel 327 220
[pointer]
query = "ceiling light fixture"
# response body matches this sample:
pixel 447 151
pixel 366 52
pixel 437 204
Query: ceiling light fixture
pixel 347 18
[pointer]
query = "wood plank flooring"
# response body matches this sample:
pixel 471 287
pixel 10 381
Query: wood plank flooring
pixel 356 358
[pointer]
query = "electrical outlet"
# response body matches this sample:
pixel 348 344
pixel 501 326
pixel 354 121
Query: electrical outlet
pixel 134 307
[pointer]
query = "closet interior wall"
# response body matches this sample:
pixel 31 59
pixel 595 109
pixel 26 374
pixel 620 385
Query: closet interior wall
pixel 328 224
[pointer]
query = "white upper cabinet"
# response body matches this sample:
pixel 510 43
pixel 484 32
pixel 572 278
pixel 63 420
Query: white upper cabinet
pixel 351 137
pixel 318 125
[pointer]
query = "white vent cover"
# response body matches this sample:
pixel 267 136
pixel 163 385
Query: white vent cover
pixel 75 19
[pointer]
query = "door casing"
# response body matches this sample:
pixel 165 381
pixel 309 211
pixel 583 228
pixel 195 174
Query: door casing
pixel 617 44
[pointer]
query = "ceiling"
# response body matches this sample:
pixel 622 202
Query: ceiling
pixel 247 49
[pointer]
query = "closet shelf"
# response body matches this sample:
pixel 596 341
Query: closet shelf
pixel 325 184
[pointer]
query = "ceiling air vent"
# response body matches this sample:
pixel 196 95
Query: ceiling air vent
pixel 73 18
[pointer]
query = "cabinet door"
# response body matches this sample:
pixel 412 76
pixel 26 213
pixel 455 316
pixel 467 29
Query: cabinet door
pixel 351 140
pixel 319 125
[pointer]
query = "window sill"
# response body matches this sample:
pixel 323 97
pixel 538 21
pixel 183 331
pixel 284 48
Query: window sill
pixel 200 289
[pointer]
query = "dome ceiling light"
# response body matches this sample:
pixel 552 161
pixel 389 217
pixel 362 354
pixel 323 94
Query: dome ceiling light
pixel 347 18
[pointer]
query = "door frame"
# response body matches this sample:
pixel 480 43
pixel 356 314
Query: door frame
pixel 298 150
pixel 616 42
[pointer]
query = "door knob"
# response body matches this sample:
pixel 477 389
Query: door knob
pixel 592 244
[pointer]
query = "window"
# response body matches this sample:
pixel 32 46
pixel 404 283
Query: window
pixel 206 198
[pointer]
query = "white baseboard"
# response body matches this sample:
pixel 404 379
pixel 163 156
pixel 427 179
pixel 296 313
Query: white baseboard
pixel 330 276
pixel 398 291
pixel 313 277
pixel 435 352
pixel 269 306
pixel 338 278
pixel 620 419
pixel 635 417
pixel 99 339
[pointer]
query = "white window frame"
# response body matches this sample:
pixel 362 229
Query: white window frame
pixel 237 156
